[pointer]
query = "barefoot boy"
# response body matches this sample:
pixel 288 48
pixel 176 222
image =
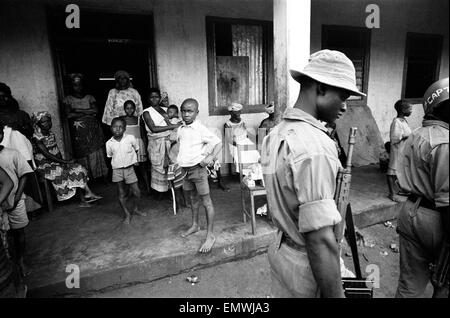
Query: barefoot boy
pixel 198 148
pixel 122 148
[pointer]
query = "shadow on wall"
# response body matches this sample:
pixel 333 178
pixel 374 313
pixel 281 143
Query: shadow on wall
pixel 369 143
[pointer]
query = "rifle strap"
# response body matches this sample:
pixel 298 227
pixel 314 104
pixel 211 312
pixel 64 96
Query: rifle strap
pixel 351 239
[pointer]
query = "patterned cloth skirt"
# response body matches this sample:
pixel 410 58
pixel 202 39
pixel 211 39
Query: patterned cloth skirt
pixel 65 178
pixel 157 153
pixel 176 174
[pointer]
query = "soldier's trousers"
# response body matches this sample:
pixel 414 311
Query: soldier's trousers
pixel 421 234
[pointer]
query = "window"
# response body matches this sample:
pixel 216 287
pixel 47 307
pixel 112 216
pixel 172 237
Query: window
pixel 240 64
pixel 355 43
pixel 423 53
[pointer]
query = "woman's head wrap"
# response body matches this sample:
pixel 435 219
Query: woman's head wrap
pixel 37 116
pixel 76 78
pixel 164 99
pixel 270 109
pixel 121 74
pixel 235 107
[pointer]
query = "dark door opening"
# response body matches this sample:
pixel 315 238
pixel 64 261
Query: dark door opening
pixel 99 61
pixel 103 45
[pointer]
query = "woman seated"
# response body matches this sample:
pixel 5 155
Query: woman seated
pixel 235 131
pixel 65 175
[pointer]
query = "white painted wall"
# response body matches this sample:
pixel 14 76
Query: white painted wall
pixel 387 50
pixel 25 61
pixel 181 48
pixel 180 41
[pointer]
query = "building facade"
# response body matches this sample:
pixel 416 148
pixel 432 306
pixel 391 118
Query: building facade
pixel 217 51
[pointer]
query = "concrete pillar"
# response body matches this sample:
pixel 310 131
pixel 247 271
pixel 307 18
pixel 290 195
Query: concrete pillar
pixel 292 29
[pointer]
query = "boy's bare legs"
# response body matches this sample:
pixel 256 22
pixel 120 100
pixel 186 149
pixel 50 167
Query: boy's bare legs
pixel 18 236
pixel 136 192
pixel 122 201
pixel 391 184
pixel 210 238
pixel 195 206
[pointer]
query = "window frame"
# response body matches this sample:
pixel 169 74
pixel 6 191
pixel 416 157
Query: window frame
pixel 440 38
pixel 268 80
pixel 367 47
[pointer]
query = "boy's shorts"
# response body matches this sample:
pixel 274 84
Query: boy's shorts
pixel 18 217
pixel 196 178
pixel 124 174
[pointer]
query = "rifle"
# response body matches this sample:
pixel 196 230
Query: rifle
pixel 358 287
pixel 343 181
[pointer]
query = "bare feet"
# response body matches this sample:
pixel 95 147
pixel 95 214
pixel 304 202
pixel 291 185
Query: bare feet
pixel 24 270
pixel 84 205
pixel 192 230
pixel 140 213
pixel 126 220
pixel 206 247
pixel 394 198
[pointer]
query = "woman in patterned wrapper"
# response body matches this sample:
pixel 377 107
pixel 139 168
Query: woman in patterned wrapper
pixel 118 96
pixel 158 127
pixel 86 131
pixel 65 175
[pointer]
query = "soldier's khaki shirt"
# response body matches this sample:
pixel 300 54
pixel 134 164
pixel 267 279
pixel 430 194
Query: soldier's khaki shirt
pixel 423 165
pixel 300 164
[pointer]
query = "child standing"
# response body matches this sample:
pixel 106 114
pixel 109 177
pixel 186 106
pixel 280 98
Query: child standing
pixel 399 132
pixel 198 148
pixel 175 174
pixel 133 127
pixel 7 274
pixel 17 168
pixel 123 148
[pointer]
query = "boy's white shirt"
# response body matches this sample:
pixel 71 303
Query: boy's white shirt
pixel 196 143
pixel 123 152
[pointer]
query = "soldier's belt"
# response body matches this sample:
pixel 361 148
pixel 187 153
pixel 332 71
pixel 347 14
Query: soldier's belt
pixel 424 202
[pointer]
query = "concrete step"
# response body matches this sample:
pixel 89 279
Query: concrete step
pixel 110 256
pixel 236 243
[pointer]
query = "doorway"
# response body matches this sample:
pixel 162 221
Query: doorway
pixel 106 43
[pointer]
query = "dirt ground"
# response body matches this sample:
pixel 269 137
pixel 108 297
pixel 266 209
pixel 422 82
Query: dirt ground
pixel 251 277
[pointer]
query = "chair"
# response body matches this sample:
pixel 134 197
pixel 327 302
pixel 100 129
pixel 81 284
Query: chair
pixel 48 194
pixel 252 192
